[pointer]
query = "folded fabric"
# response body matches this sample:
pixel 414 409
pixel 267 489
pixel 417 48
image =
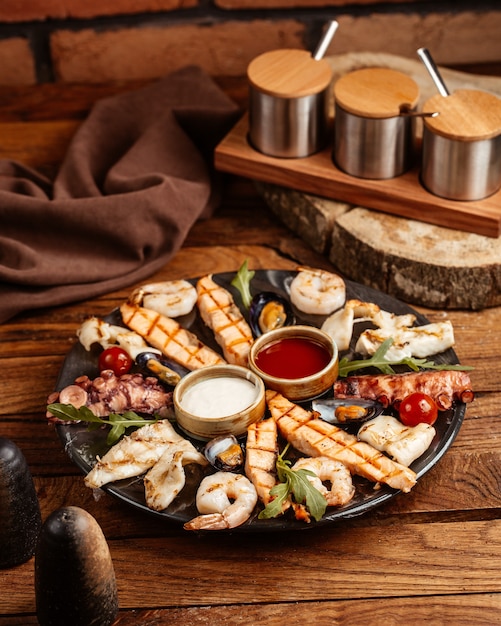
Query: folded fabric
pixel 135 178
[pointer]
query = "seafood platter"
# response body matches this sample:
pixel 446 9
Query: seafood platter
pixel 161 404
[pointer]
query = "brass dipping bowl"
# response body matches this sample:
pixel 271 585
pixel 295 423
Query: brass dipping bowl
pixel 208 381
pixel 306 387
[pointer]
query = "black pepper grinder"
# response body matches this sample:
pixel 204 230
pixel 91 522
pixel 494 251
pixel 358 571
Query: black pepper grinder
pixel 20 519
pixel 74 576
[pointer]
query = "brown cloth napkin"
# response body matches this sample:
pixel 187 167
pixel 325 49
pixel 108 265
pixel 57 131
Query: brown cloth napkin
pixel 136 177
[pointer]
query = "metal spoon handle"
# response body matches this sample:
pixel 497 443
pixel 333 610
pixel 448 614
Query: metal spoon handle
pixel 323 44
pixel 419 114
pixel 429 63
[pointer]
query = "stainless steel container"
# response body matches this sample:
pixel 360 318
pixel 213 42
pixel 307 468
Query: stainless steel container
pixel 461 155
pixel 372 138
pixel 288 103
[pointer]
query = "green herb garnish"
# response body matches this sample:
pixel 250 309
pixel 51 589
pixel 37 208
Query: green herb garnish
pixel 295 483
pixel 379 361
pixel 242 281
pixel 119 422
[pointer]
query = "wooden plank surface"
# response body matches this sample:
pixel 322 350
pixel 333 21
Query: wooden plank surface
pixel 480 609
pixel 450 517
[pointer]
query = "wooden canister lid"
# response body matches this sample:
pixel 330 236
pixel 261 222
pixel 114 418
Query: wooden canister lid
pixel 289 73
pixel 465 115
pixel 376 92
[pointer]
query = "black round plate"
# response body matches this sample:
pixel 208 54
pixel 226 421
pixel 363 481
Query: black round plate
pixel 84 445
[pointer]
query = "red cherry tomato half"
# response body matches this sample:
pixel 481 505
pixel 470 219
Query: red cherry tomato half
pixel 116 359
pixel 418 408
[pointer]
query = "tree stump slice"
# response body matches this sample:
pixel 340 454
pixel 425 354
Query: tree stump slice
pixel 416 262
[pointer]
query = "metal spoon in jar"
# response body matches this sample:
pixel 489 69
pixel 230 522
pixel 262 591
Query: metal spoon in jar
pixel 406 111
pixel 430 65
pixel 325 41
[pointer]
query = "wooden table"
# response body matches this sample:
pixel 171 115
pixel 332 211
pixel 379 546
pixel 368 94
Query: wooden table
pixel 433 554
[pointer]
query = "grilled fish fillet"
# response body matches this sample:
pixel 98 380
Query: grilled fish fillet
pixel 315 437
pixel 223 317
pixel 134 454
pixel 165 334
pixel 261 452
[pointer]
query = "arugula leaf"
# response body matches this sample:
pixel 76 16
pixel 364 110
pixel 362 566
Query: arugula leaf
pixel 385 366
pixel 295 483
pixel 274 508
pixel 242 281
pixel 119 422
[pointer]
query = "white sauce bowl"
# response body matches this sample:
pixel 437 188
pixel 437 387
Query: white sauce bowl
pixel 219 400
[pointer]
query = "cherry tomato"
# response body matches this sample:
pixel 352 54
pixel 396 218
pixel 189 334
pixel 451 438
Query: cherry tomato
pixel 418 408
pixel 116 359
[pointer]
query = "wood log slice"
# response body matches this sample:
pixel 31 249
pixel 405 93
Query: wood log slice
pixel 416 262
pixel 419 263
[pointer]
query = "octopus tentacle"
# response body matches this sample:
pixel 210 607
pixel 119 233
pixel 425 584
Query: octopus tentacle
pixel 109 393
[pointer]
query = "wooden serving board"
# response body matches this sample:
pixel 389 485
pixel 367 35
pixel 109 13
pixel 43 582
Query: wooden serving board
pixel 403 196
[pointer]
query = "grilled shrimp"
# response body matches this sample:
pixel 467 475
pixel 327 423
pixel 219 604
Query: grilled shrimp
pixel 334 472
pixel 221 314
pixel 171 298
pixel 225 500
pixel 317 292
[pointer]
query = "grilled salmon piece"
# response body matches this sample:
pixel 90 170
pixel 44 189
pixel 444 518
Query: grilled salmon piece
pixel 223 317
pixel 165 334
pixel 315 437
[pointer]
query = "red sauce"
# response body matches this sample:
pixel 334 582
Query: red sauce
pixel 293 357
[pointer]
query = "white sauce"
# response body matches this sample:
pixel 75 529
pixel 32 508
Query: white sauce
pixel 219 397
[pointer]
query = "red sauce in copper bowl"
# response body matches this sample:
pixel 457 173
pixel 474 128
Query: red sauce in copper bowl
pixel 293 357
pixel 300 362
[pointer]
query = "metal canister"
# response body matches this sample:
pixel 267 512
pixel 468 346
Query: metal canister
pixel 461 155
pixel 288 103
pixel 373 125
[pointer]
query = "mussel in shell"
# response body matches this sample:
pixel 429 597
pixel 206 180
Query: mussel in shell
pixel 344 412
pixel 225 453
pixel 155 365
pixel 268 311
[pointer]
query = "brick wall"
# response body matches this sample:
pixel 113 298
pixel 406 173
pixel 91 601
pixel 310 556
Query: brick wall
pixel 115 40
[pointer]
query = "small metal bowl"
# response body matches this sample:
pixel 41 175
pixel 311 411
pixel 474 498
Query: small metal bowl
pixel 215 412
pixel 302 387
